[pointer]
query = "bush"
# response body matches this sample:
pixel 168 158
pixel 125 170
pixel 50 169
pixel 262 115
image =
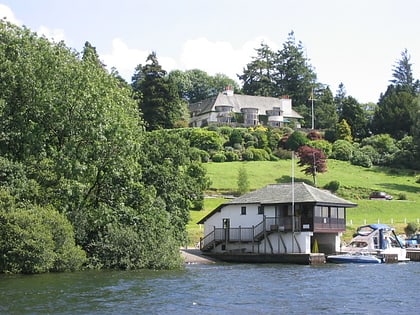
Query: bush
pixel 231 156
pixel 283 154
pixel 342 150
pixel 411 228
pixel 253 154
pixel 361 159
pixel 333 186
pixel 218 157
pixel 247 155
pixel 402 196
pixel 38 240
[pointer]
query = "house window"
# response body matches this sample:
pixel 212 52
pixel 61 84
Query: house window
pixel 260 209
pixel 243 210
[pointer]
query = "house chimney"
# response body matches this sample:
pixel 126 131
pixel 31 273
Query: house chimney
pixel 228 90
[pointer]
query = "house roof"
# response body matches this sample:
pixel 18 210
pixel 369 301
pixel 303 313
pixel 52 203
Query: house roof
pixel 282 194
pixel 238 101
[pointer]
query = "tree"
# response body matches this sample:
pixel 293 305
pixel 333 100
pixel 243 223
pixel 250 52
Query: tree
pixel 395 112
pixel 313 161
pixel 75 136
pixel 326 116
pixel 285 72
pixel 296 140
pixel 296 77
pixel 403 74
pixel 353 113
pixel 259 76
pixel 243 181
pixel 344 131
pixel 159 103
pixel 196 85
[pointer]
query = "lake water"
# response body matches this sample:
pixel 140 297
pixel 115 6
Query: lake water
pixel 219 289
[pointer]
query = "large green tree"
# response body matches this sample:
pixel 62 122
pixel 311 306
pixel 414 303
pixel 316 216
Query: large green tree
pixel 77 132
pixel 285 72
pixel 397 107
pixel 196 85
pixel 160 104
pixel 260 75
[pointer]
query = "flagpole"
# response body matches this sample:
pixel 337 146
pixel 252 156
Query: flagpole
pixel 293 201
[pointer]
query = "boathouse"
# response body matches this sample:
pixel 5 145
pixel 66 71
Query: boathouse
pixel 293 218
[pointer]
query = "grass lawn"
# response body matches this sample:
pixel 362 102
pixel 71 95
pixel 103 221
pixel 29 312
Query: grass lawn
pixel 356 183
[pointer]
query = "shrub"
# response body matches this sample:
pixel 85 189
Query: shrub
pixel 402 196
pixel 218 157
pixel 332 186
pixel 38 240
pixel 283 154
pixel 361 159
pixel 231 156
pixel 296 140
pixel 411 228
pixel 247 155
pixel 342 150
pixel 259 154
pixel 323 145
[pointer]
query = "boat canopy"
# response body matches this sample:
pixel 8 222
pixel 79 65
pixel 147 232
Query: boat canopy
pixel 369 228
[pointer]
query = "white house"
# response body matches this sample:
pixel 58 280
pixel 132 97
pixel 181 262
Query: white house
pixel 228 108
pixel 277 219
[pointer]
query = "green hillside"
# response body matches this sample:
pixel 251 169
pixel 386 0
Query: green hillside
pixel 356 183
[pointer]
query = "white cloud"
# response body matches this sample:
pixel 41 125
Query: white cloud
pixel 6 12
pixel 55 35
pixel 220 56
pixel 210 56
pixel 126 59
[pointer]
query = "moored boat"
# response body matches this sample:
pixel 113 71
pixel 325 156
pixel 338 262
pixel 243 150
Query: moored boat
pixel 354 258
pixel 373 243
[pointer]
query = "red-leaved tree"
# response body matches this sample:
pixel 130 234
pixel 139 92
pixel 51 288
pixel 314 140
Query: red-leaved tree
pixel 313 160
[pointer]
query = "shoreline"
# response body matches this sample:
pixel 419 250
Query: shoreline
pixel 195 256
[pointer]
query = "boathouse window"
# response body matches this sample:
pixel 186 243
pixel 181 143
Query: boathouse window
pixel 324 212
pixel 333 212
pixel 260 209
pixel 340 213
pixel 243 210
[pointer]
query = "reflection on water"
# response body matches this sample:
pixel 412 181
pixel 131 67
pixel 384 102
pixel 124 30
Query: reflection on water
pixel 219 289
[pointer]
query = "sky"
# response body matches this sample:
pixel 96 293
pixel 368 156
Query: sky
pixel 354 42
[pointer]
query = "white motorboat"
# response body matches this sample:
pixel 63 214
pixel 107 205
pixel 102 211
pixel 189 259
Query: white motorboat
pixel 373 243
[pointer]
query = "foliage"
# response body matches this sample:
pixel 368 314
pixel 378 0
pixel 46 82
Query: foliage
pixel 206 140
pixel 325 109
pixel 285 72
pixel 196 85
pixel 296 140
pixel 72 140
pixel 355 116
pixel 35 240
pixel 312 160
pixel 160 104
pixel 218 157
pixel 360 158
pixel 333 186
pixel 342 150
pixel 323 145
pixel 243 181
pixel 395 113
pixel 344 131
pixel 411 228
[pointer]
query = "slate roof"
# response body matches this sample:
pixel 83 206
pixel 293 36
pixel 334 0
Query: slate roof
pixel 282 194
pixel 238 101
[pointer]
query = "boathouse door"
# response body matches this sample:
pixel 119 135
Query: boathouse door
pixel 226 228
